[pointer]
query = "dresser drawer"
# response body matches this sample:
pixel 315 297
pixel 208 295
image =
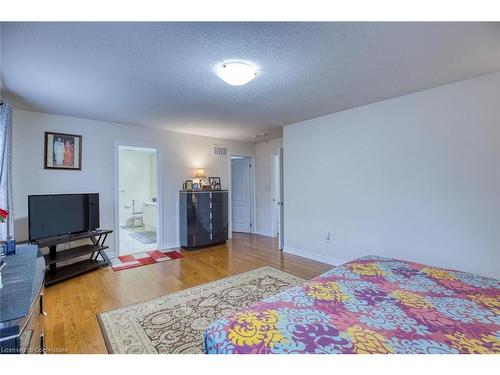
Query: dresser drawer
pixel 219 236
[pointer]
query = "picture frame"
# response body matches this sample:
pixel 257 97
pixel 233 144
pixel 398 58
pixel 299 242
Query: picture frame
pixel 214 183
pixel 63 151
pixel 196 186
pixel 189 184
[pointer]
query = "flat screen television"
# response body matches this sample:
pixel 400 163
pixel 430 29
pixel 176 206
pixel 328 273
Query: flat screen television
pixel 57 214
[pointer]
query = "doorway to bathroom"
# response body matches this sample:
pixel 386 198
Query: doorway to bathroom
pixel 137 202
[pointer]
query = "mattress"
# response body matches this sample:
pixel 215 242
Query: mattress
pixel 369 305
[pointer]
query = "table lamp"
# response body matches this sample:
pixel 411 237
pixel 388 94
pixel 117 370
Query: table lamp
pixel 200 174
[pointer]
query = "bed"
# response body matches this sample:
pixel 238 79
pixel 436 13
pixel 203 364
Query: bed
pixel 369 305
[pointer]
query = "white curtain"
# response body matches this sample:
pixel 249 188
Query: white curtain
pixel 6 229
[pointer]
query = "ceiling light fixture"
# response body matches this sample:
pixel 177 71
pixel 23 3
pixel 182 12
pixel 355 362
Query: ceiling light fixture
pixel 260 135
pixel 236 73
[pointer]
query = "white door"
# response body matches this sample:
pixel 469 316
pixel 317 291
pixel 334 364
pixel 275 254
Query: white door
pixel 281 241
pixel 241 194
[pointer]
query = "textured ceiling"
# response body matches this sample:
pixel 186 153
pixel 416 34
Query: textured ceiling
pixel 161 74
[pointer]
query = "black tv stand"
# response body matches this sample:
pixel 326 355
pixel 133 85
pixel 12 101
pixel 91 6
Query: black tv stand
pixel 95 249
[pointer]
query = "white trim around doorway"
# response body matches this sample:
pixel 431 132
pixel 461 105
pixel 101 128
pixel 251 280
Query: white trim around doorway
pixel 253 189
pixel 116 193
pixel 272 231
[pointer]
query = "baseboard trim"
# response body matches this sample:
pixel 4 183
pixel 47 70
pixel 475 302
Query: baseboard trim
pixel 313 256
pixel 263 233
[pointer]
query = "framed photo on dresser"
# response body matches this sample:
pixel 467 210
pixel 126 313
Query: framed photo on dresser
pixel 188 185
pixel 214 183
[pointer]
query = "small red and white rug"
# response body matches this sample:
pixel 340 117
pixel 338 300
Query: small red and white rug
pixel 142 259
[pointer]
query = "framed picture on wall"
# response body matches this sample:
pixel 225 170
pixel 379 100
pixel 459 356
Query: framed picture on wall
pixel 63 151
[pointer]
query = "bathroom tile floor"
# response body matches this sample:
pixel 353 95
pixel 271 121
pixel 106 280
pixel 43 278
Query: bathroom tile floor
pixel 129 245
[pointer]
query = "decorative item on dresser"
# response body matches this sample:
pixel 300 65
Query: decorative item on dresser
pixel 188 185
pixel 214 183
pixel 21 302
pixel 203 218
pixel 200 175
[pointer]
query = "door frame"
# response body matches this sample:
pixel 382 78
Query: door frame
pixel 253 198
pixel 116 191
pixel 274 191
pixel 281 163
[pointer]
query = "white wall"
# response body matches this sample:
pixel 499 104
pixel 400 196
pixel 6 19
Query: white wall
pixel 180 155
pixel 1 77
pixel 416 177
pixel 264 188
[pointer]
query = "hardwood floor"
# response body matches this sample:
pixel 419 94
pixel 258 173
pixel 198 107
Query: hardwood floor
pixel 71 323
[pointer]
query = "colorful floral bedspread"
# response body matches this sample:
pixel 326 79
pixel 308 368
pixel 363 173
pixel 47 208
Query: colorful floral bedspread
pixel 370 305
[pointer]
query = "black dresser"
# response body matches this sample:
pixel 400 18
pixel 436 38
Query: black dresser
pixel 203 218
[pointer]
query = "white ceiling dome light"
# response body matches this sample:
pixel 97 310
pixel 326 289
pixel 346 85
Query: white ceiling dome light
pixel 236 73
